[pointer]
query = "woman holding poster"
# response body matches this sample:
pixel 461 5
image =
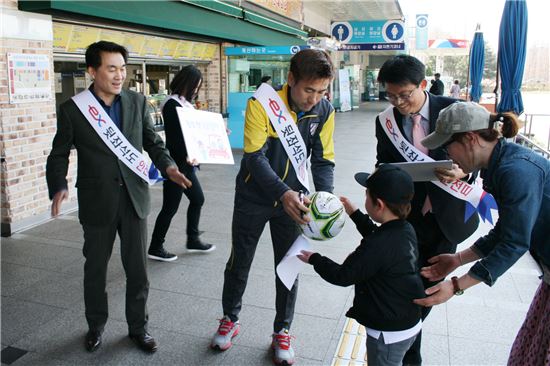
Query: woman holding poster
pixel 185 88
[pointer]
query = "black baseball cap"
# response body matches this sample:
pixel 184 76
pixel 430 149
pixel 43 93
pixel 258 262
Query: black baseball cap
pixel 389 182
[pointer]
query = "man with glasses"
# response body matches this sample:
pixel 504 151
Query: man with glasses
pixel 437 217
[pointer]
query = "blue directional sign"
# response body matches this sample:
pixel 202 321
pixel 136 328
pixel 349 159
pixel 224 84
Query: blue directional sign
pixel 372 47
pixel 375 31
pixel 421 31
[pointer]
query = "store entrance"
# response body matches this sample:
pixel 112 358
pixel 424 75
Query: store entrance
pixel 71 78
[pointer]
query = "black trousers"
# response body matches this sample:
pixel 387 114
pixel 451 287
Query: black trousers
pixel 98 246
pixel 249 220
pixel 171 198
pixel 431 242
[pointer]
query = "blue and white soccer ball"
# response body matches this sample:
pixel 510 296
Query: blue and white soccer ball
pixel 327 216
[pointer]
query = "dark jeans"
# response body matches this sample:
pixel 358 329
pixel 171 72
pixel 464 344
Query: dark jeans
pixel 98 246
pixel 431 242
pixel 249 220
pixel 171 198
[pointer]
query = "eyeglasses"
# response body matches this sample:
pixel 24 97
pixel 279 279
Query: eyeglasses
pixel 403 97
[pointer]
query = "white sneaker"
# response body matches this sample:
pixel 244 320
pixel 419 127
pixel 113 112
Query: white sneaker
pixel 225 333
pixel 283 354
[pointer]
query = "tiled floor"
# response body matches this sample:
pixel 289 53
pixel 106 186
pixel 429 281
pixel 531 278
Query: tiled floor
pixel 42 302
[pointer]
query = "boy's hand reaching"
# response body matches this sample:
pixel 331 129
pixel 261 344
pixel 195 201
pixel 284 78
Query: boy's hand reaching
pixel 304 256
pixel 348 206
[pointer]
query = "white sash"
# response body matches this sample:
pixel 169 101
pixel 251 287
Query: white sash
pixel 472 194
pixel 287 130
pixel 181 101
pixel 111 135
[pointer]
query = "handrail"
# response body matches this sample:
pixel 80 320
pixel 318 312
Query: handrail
pixel 523 140
pixel 528 124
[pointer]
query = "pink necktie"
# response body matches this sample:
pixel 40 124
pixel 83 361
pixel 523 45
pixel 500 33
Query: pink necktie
pixel 418 133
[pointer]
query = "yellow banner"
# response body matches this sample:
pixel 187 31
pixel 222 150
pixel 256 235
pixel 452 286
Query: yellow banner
pixel 112 36
pixel 134 43
pixel 210 52
pixel 61 36
pixel 151 47
pixel 82 37
pixel 198 50
pixel 168 48
pixel 76 38
pixel 184 49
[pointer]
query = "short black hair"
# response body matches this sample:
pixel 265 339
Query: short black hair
pixel 265 79
pixel 437 75
pixel 401 210
pixel 401 70
pixel 311 64
pixel 186 81
pixel 93 52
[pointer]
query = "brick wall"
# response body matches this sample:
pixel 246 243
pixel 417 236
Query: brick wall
pixel 210 90
pixel 27 130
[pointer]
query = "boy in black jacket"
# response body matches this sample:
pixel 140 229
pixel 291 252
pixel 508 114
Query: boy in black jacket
pixel 383 268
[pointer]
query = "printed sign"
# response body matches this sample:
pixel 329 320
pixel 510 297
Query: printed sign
pixel 29 78
pixel 264 50
pixel 375 31
pixel 205 136
pixel 421 31
pixel 345 95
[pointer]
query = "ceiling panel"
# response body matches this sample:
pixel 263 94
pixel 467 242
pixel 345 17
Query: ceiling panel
pixel 341 10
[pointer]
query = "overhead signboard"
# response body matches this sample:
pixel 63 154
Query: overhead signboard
pixel 263 50
pixel 369 35
pixel 75 39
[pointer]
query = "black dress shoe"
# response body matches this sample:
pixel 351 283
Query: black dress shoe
pixel 145 342
pixel 93 340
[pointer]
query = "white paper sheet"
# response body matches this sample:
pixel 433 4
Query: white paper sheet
pixel 290 265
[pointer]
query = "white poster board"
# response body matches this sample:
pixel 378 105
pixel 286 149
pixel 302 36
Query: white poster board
pixel 29 78
pixel 205 136
pixel 344 85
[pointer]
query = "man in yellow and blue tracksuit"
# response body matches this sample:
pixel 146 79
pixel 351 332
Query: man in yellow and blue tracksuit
pixel 267 191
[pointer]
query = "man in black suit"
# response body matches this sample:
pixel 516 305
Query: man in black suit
pixel 437 87
pixel 437 217
pixel 111 197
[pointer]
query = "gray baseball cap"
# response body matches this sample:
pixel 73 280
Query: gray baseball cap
pixel 457 117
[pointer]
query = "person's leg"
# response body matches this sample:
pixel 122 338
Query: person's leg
pixel 284 232
pixel 133 236
pixel 171 197
pixel 249 220
pixel 381 354
pixel 98 246
pixel 431 242
pixel 196 201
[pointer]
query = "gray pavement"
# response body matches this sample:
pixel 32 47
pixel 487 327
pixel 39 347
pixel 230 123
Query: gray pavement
pixel 42 296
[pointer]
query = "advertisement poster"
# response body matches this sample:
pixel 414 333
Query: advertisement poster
pixel 205 136
pixel 345 95
pixel 29 78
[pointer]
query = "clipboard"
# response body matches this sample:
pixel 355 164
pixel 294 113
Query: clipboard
pixel 423 171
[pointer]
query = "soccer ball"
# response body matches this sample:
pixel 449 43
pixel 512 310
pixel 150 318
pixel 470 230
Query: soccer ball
pixel 327 216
